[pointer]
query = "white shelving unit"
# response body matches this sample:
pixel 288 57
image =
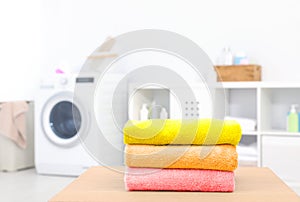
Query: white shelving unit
pixel 268 103
pixel 269 145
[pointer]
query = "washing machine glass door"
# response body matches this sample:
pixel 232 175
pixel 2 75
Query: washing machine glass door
pixel 63 119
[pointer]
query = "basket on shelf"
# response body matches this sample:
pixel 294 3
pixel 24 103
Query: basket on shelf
pixel 238 72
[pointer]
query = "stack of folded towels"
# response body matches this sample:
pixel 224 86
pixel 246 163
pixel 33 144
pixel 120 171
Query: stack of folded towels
pixel 181 155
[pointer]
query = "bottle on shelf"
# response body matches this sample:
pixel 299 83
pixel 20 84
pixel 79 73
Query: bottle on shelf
pixel 154 110
pixel 144 112
pixel 226 57
pixel 163 113
pixel 293 119
pixel 240 58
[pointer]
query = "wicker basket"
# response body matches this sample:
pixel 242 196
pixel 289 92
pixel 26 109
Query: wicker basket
pixel 239 73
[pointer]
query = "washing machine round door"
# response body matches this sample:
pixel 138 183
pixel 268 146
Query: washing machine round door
pixel 63 119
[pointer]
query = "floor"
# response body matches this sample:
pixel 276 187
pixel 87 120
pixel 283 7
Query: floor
pixel 26 185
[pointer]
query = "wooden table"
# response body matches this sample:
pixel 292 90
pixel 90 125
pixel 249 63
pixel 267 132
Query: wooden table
pixel 101 184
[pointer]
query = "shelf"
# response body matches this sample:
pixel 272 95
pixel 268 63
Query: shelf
pixel 271 133
pixel 268 103
pixel 259 84
pixel 250 133
pixel 280 133
pixel 239 84
pixel 280 85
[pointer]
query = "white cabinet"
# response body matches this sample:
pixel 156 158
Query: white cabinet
pixel 268 103
pixel 268 144
pixel 282 154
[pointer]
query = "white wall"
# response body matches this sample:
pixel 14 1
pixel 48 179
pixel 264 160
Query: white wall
pixel 19 49
pixel 71 29
pixel 267 30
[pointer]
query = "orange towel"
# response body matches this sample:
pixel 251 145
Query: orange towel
pixel 13 121
pixel 219 157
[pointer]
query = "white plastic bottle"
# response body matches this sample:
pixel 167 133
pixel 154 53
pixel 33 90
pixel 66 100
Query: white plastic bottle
pixel 226 57
pixel 144 112
pixel 163 113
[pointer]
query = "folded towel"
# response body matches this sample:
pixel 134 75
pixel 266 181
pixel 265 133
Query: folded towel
pixel 140 179
pixel 246 123
pixel 191 131
pixel 219 157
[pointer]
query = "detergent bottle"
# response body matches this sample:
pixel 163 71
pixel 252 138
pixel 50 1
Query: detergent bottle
pixel 144 112
pixel 293 119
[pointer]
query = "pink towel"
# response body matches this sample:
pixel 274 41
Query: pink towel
pixel 143 179
pixel 13 121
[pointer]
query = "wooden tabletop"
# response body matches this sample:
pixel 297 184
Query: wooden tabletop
pixel 102 184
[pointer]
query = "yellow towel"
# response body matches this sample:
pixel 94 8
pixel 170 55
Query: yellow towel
pixel 192 131
pixel 219 157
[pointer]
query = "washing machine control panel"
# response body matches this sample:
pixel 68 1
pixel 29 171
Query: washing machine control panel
pixel 85 80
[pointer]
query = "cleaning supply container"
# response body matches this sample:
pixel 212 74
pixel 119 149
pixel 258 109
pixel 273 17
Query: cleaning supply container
pixel 144 112
pixel 293 119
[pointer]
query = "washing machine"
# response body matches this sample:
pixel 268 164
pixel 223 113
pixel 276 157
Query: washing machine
pixel 61 122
